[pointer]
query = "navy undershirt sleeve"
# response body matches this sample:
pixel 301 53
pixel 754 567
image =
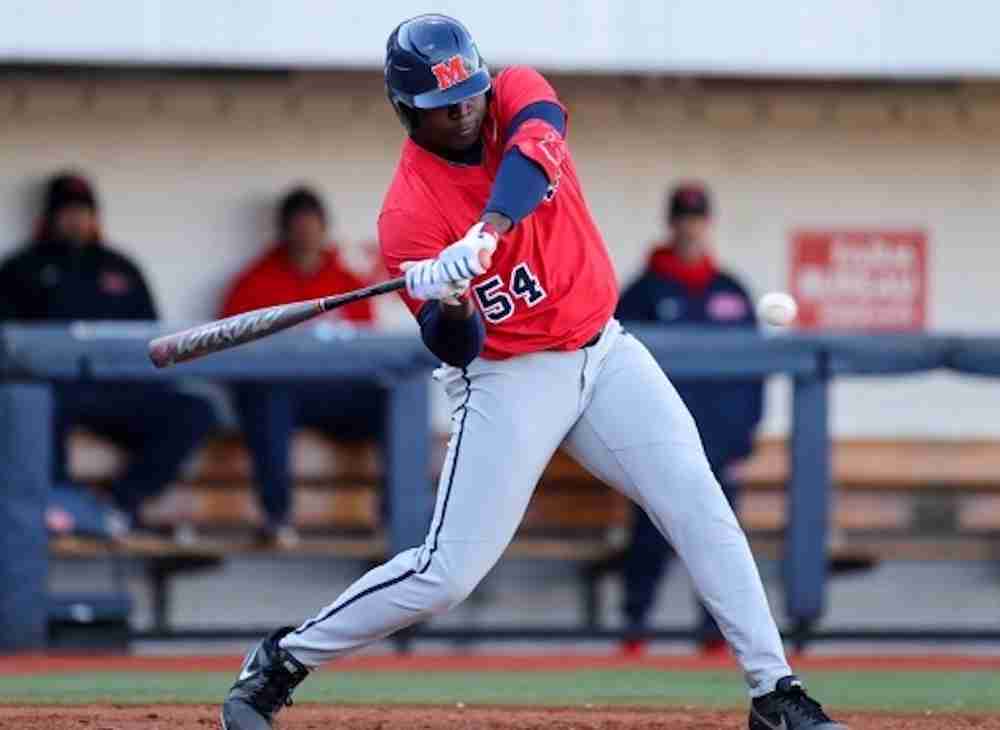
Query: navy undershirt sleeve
pixel 456 341
pixel 547 111
pixel 521 184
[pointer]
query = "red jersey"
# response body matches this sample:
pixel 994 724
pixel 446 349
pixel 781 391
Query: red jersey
pixel 272 279
pixel 552 285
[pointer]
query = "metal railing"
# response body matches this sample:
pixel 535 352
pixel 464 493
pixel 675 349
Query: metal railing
pixel 32 358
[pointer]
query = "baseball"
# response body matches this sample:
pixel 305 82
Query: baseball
pixel 777 308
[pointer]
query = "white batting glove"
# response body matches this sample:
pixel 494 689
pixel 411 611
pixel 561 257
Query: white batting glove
pixel 461 260
pixel 425 281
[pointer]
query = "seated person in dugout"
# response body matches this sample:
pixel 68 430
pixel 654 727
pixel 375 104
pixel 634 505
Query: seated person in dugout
pixel 303 264
pixel 682 285
pixel 68 272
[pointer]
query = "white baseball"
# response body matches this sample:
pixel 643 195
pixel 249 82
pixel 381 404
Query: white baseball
pixel 777 308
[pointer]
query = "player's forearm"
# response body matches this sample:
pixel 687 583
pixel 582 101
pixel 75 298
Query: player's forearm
pixel 519 188
pixel 455 333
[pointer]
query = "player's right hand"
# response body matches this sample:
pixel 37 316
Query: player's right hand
pixel 427 280
pixel 470 256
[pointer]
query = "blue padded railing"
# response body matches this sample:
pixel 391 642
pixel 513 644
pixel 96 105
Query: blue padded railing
pixel 33 357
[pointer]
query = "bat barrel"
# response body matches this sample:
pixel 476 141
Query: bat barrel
pixel 230 332
pixel 161 351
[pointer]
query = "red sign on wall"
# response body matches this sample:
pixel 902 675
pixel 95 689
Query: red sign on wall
pixel 860 280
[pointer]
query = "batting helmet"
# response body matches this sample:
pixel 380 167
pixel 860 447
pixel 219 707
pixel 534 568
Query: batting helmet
pixel 431 61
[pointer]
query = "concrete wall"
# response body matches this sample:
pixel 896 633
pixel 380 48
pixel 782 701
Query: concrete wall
pixel 188 171
pixel 770 37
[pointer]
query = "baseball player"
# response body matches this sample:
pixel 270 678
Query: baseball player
pixel 514 291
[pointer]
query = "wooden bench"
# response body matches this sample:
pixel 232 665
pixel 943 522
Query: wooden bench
pixel 336 509
pixel 895 487
pixel 912 499
pixel 920 500
pixel 336 492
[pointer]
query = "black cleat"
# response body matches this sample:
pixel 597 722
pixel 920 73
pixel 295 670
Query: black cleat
pixel 790 708
pixel 267 678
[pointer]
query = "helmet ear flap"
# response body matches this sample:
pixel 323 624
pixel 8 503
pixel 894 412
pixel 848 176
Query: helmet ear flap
pixel 407 115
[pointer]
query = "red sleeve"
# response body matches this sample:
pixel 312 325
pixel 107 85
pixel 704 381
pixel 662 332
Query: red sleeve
pixel 242 296
pixel 538 141
pixel 360 312
pixel 517 87
pixel 404 237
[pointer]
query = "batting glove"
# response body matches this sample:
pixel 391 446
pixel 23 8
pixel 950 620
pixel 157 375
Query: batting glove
pixel 425 281
pixel 463 259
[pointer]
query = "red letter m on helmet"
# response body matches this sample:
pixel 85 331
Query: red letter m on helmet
pixel 450 72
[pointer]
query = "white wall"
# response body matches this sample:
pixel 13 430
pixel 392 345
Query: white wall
pixel 188 172
pixel 766 37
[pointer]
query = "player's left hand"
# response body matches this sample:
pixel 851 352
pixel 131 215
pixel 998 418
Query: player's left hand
pixel 470 256
pixel 424 281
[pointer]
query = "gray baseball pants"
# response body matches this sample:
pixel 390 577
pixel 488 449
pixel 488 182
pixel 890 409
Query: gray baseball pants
pixel 613 409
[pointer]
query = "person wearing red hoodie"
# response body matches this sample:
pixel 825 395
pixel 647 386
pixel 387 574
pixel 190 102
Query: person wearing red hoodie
pixel 303 264
pixel 683 285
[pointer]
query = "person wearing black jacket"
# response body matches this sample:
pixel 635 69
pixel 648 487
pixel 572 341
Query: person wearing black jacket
pixel 683 286
pixel 67 273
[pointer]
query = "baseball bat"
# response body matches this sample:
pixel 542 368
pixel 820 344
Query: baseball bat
pixel 224 334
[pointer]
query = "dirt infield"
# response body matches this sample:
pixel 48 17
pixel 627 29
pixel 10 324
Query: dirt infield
pixel 319 717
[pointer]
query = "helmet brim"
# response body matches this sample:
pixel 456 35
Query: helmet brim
pixel 478 83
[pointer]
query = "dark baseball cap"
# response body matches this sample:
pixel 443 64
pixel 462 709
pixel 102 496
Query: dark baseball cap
pixel 298 200
pixel 689 199
pixel 67 189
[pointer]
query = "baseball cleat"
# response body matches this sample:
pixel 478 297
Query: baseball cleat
pixel 267 678
pixel 788 707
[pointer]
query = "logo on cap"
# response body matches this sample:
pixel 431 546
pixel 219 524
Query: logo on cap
pixel 450 72
pixel 692 197
pixel 77 186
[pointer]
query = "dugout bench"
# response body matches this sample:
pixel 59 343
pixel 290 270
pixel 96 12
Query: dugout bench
pixel 32 357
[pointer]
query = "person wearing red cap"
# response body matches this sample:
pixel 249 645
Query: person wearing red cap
pixel 68 273
pixel 683 285
pixel 303 264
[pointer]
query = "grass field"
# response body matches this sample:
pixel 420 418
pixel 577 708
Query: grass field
pixel 389 693
pixel 959 691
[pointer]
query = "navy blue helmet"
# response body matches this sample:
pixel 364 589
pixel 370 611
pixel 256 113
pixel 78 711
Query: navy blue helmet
pixel 431 61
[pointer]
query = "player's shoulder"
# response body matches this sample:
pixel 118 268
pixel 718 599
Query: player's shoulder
pixel 411 192
pixel 399 221
pixel 519 75
pixel 112 256
pixel 517 87
pixel 730 282
pixel 403 204
pixel 404 188
pixel 19 259
pixel 516 80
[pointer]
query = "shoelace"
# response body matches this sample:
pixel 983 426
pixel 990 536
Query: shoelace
pixel 798 702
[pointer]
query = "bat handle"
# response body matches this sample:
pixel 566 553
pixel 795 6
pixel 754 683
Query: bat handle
pixel 339 300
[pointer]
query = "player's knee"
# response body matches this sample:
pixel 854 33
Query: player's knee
pixel 455 590
pixel 452 587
